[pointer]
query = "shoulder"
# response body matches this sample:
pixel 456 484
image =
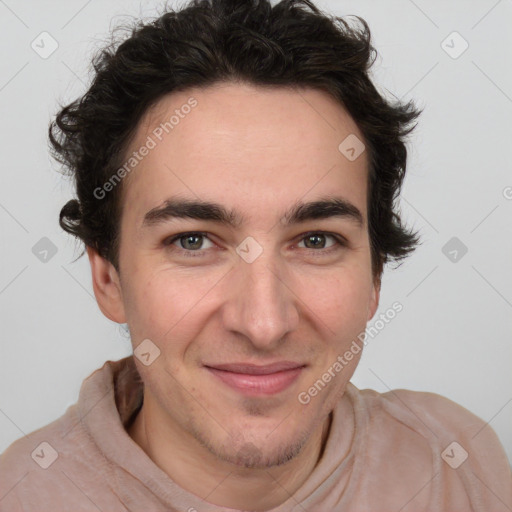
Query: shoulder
pixel 445 438
pixel 439 416
pixel 433 416
pixel 22 453
pixel 39 467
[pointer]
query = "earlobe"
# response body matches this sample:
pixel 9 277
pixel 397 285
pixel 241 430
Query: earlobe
pixel 107 287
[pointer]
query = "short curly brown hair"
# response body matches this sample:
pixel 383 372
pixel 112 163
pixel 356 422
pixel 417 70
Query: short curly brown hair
pixel 289 44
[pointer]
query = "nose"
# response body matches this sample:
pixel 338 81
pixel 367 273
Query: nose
pixel 261 304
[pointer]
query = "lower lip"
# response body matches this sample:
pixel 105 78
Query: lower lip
pixel 258 384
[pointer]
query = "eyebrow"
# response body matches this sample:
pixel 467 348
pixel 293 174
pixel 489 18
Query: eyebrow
pixel 299 213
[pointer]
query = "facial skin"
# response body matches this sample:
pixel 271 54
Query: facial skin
pixel 257 151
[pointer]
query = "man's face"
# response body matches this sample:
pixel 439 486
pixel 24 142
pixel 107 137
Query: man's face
pixel 257 293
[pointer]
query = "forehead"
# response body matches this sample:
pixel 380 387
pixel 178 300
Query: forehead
pixel 247 145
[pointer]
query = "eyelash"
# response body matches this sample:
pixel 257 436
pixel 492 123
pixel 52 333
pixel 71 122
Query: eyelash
pixel 340 243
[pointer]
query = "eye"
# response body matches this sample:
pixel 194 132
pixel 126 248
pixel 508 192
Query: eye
pixel 188 242
pixel 316 241
pixel 192 243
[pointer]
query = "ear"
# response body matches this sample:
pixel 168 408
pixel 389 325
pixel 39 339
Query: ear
pixel 107 287
pixel 374 297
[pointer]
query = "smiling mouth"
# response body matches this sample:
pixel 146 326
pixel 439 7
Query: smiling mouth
pixel 257 380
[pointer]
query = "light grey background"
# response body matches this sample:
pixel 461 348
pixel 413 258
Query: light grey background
pixel 453 336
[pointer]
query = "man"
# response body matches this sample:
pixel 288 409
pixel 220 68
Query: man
pixel 235 173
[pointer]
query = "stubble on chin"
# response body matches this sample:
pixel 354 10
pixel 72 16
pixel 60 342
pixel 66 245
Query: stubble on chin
pixel 240 451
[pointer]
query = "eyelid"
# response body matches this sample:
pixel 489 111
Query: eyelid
pixel 339 238
pixel 170 240
pixel 340 241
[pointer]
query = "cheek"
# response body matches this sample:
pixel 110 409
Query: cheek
pixel 166 307
pixel 152 305
pixel 340 299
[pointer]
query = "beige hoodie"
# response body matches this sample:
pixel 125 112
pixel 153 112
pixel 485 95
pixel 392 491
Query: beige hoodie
pixel 410 451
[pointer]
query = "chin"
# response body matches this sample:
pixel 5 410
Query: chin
pixel 261 451
pixel 252 456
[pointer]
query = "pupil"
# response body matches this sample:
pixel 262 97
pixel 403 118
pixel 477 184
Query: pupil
pixel 191 237
pixel 312 237
pixel 197 243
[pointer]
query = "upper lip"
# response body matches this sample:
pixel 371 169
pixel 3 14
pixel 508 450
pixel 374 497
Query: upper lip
pixel 253 369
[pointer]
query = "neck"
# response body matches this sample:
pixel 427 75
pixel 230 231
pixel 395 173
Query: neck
pixel 194 468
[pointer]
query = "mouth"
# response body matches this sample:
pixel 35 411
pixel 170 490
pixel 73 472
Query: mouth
pixel 254 380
